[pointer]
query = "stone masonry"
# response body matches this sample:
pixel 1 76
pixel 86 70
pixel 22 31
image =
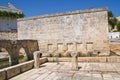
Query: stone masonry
pixel 84 31
pixel 8 25
pixel 8 35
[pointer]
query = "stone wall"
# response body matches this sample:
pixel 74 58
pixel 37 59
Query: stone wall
pixel 8 35
pixel 84 31
pixel 8 24
pixel 12 71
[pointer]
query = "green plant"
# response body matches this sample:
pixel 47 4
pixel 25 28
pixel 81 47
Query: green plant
pixel 118 25
pixel 112 22
pixel 4 63
pixel 11 14
pixel 110 14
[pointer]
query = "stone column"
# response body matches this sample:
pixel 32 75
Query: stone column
pixel 36 59
pixel 14 57
pixel 74 61
pixel 10 61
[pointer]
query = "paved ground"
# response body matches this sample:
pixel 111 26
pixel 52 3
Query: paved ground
pixel 62 71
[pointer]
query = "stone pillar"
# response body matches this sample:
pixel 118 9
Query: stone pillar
pixel 10 61
pixel 14 57
pixel 36 59
pixel 74 61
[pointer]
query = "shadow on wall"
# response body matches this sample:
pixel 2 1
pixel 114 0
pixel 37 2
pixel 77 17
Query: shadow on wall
pixel 14 48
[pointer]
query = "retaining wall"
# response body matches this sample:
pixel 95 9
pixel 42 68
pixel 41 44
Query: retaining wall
pixel 9 72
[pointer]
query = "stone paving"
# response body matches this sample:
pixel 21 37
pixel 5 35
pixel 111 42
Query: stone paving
pixel 62 71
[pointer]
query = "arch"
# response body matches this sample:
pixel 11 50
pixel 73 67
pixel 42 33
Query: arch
pixel 23 53
pixel 4 57
pixel 4 53
pixel 13 48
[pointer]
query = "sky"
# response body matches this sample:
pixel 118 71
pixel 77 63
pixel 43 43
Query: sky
pixel 41 7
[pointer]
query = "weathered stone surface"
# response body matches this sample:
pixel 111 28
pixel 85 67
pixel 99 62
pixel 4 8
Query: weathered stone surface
pixel 26 66
pixel 102 59
pixel 82 59
pixel 74 61
pixel 43 60
pixel 115 47
pixel 2 74
pixel 86 29
pixel 8 24
pixel 9 72
pixel 12 71
pixel 87 71
pixel 36 55
pixel 8 35
pixel 13 48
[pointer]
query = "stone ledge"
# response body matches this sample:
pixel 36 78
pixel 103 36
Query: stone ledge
pixel 12 71
pixel 2 74
pixel 65 13
pixel 115 59
pixel 26 66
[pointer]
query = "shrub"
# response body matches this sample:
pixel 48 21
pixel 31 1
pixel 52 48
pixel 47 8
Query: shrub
pixel 11 14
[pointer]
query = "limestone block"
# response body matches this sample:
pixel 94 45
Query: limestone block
pixel 2 74
pixel 70 46
pixel 82 59
pixel 118 59
pixel 65 59
pixel 112 59
pixel 26 66
pixel 43 60
pixel 8 35
pixel 50 59
pixel 60 47
pixel 79 46
pixel 12 71
pixel 36 59
pixel 102 59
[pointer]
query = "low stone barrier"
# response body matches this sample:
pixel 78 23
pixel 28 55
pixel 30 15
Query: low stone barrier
pixel 86 59
pixel 12 71
pixel 26 66
pixel 113 59
pixel 9 72
pixel 3 74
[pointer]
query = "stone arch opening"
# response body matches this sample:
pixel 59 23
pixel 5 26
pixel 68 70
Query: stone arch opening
pixel 5 58
pixel 4 53
pixel 22 55
pixel 13 48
